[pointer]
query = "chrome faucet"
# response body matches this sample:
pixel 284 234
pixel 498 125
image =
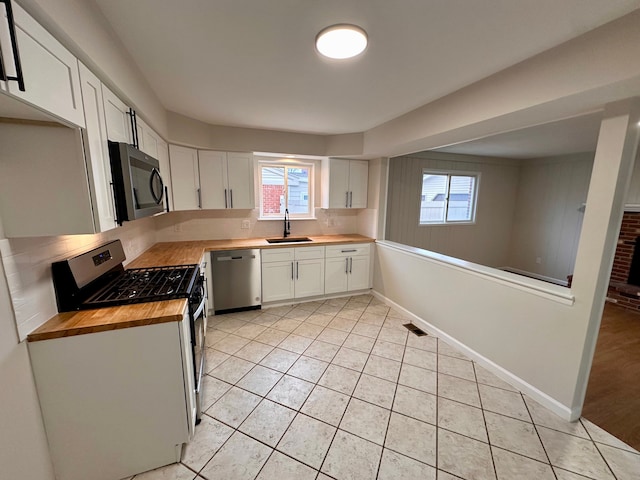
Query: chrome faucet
pixel 287 223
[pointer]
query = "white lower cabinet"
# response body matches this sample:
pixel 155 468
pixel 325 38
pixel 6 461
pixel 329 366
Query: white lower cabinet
pixel 347 268
pixel 292 273
pixel 105 395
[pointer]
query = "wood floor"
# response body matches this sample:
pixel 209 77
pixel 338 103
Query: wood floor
pixel 613 393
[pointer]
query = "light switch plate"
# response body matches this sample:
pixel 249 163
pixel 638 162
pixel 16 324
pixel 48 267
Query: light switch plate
pixel 246 224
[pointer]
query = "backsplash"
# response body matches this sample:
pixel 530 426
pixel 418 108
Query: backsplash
pixel 221 224
pixel 27 261
pixel 27 264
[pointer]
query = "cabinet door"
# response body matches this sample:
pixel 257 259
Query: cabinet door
pixel 117 118
pixel 184 177
pixel 359 273
pixel 338 182
pixel 51 76
pixel 149 139
pixel 309 278
pixel 165 171
pixel 240 180
pixel 212 179
pixel 277 281
pixel 99 168
pixel 335 275
pixel 358 183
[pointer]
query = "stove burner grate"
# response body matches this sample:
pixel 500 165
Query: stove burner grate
pixel 146 285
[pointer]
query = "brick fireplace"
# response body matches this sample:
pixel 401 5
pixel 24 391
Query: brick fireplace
pixel 626 295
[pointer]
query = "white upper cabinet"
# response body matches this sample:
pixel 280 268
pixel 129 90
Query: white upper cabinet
pixel 212 179
pixel 96 150
pixel 147 139
pixel 165 172
pixel 50 71
pixel 226 179
pixel 185 178
pixel 344 183
pixel 240 180
pixel 117 117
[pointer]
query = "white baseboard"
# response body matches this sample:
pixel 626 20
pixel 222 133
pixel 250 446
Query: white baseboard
pixel 291 301
pixel 539 396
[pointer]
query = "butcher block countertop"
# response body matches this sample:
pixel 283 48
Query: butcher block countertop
pixel 159 255
pixel 188 253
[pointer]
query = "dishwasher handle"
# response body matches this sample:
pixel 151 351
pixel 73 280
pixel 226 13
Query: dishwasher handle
pixel 239 257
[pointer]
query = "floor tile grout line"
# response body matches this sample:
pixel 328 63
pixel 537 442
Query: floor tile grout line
pixel 298 412
pixel 393 401
pixel 484 417
pixel 345 412
pixel 526 405
pixel 635 452
pixel 236 429
pixel 599 451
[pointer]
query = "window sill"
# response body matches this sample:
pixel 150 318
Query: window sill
pixel 448 224
pixel 281 219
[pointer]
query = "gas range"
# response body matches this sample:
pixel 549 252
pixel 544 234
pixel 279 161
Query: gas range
pixel 97 279
pixel 145 285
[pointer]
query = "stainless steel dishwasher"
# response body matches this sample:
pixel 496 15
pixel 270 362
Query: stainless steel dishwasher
pixel 236 278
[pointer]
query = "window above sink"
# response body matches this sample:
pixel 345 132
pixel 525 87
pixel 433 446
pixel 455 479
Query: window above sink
pixel 286 184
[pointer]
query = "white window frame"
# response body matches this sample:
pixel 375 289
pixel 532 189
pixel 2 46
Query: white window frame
pixel 449 174
pixel 288 163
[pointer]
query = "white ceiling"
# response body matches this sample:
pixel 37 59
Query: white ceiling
pixel 571 135
pixel 252 63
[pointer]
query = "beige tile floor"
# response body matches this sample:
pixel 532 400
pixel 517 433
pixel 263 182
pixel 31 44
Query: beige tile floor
pixel 340 389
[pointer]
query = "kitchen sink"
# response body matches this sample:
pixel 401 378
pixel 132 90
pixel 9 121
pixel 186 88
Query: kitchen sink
pixel 289 240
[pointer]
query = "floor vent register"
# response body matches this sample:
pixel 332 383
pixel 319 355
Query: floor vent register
pixel 415 330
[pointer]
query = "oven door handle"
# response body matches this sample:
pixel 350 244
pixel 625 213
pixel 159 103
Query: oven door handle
pixel 200 309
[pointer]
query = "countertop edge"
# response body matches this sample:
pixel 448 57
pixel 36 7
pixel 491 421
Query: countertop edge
pixel 190 252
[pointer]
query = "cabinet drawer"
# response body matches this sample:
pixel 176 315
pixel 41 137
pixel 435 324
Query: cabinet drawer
pixel 348 250
pixel 277 255
pixel 309 253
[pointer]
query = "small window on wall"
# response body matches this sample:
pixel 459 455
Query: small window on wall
pixel 448 198
pixel 285 186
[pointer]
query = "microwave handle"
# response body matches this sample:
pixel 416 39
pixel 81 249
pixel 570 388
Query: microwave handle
pixel 156 198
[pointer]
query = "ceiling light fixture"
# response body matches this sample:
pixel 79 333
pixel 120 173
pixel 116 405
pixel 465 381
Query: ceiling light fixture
pixel 341 41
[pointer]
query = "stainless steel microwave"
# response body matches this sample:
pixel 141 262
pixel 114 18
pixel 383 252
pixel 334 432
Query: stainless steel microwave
pixel 137 185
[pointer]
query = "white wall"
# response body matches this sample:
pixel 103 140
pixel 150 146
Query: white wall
pixel 578 76
pixel 368 218
pixel 23 446
pixel 548 214
pixel 485 242
pixel 82 28
pixel 27 262
pixel 546 343
pixel 221 224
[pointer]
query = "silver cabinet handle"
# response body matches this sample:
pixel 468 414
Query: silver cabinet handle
pixel 346 200
pixel 291 270
pixel 297 269
pixel 346 266
pixel 199 198
pixel 350 199
pixel 349 251
pixel 225 199
pixel 231 196
pixel 350 264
